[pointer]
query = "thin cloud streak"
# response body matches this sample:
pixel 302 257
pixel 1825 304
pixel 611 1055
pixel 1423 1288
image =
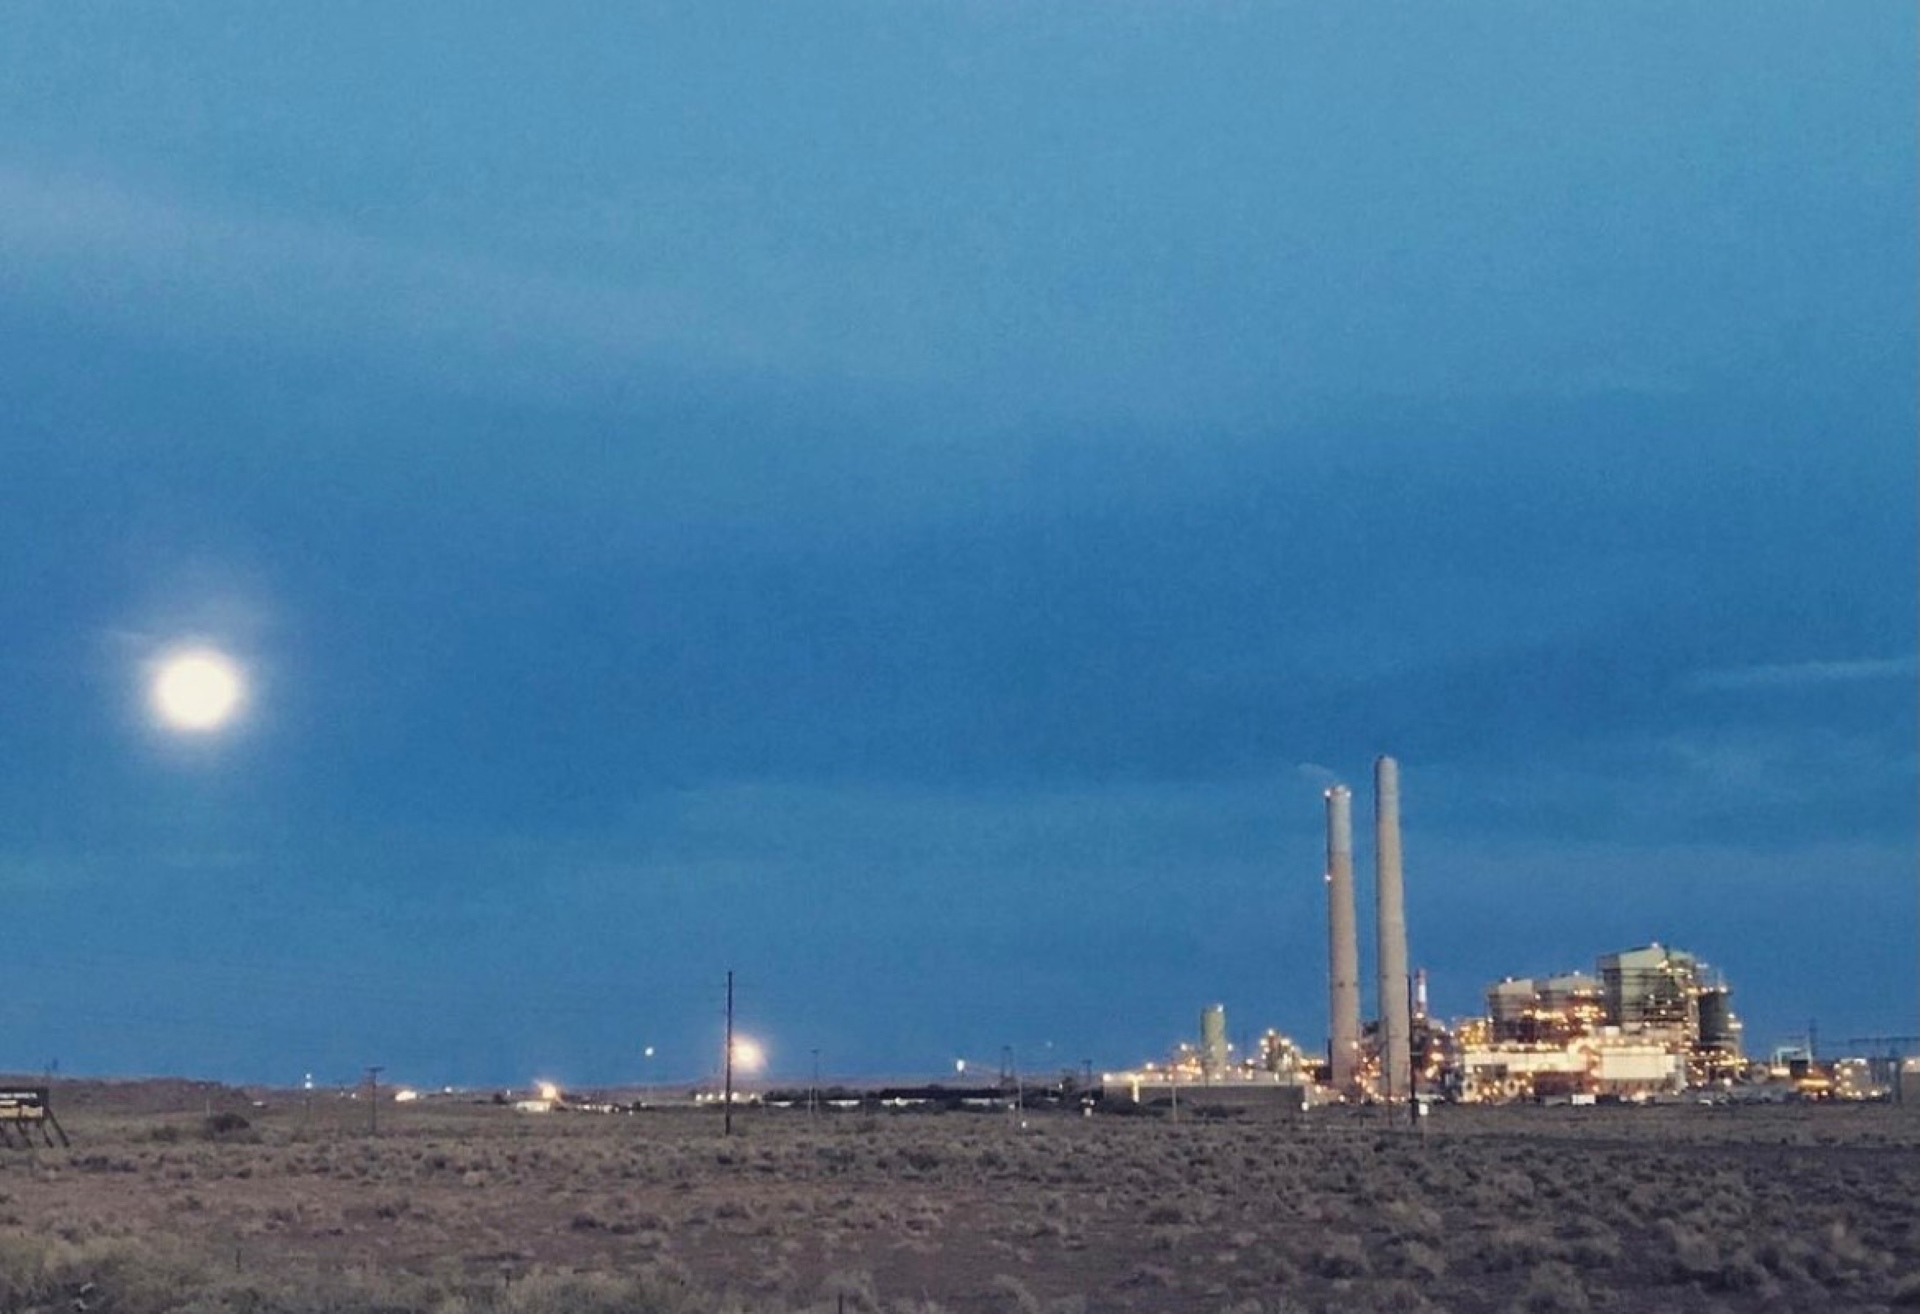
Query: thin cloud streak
pixel 1801 674
pixel 159 260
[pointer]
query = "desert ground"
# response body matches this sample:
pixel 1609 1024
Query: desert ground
pixel 178 1196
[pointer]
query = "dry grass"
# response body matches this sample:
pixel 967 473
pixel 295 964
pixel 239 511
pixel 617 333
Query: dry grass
pixel 472 1210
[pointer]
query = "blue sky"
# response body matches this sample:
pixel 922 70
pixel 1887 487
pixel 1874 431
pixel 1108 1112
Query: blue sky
pixel 913 504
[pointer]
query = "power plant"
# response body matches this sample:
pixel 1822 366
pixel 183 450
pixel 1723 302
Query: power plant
pixel 1648 1022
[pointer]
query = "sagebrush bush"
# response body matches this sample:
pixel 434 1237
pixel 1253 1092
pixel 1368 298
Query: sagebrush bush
pixel 1341 1255
pixel 1553 1287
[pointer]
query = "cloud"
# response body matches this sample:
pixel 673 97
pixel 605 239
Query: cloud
pixel 1802 674
pixel 162 263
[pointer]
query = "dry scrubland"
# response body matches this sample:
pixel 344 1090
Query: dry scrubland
pixel 475 1209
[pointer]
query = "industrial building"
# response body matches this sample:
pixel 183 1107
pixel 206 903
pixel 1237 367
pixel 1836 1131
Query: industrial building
pixel 1653 1020
pixel 1545 1011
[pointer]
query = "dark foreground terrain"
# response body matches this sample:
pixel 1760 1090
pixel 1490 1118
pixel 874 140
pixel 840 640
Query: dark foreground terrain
pixel 467 1209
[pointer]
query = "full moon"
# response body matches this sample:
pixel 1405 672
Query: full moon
pixel 197 691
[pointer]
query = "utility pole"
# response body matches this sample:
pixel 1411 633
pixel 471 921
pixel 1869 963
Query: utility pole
pixel 1386 1074
pixel 373 1100
pixel 1413 1068
pixel 727 1095
pixel 813 1092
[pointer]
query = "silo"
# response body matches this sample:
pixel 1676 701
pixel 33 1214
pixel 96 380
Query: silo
pixel 1213 1041
pixel 1390 933
pixel 1718 1029
pixel 1343 944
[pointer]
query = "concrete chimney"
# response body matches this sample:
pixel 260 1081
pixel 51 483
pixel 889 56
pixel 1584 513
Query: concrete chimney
pixel 1213 1042
pixel 1396 1030
pixel 1343 943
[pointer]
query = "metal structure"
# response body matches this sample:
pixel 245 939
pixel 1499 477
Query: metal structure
pixel 24 1109
pixel 1891 1044
pixel 1343 945
pixel 1886 1063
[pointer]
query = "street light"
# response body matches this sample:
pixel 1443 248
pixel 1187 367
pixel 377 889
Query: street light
pixel 749 1055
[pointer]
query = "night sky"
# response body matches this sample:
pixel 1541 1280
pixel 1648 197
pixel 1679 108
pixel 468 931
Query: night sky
pixel 914 504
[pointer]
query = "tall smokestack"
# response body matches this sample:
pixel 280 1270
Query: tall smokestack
pixel 1343 942
pixel 1390 931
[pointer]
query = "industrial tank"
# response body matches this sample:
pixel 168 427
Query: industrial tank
pixel 1213 1041
pixel 1717 1029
